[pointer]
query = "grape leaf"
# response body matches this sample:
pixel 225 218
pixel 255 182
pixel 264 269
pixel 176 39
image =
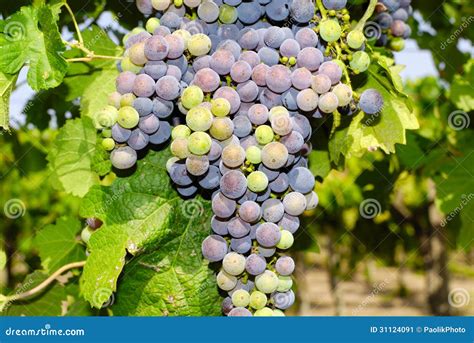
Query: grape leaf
pixel 32 36
pixel 7 83
pixel 58 244
pixel 46 303
pixel 455 196
pixel 141 213
pixel 461 88
pixel 3 259
pixel 73 156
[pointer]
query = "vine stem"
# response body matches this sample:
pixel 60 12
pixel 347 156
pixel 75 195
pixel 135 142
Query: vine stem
pixel 76 26
pixel 368 13
pixel 45 283
pixel 321 9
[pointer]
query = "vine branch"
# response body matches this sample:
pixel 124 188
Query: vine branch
pixel 76 26
pixel 368 13
pixel 45 283
pixel 321 9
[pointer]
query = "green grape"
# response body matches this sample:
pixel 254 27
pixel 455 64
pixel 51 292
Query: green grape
pixel 277 111
pixel 278 313
pixel 226 281
pixel 397 44
pixel 330 30
pixel 264 312
pixel 360 61
pixel 137 30
pixel 343 93
pixel 257 181
pixel 241 298
pixel 199 44
pixel 192 97
pixel 199 143
pixel 264 134
pixel 258 300
pixel 292 60
pixel 227 14
pixel 233 263
pixel 180 131
pixel 355 39
pixel 128 117
pixel 222 128
pixel 114 99
pixel 254 154
pixel 127 99
pixel 107 133
pixel 284 283
pixel 199 119
pixel 152 24
pixel 170 162
pixel 185 36
pixel 179 148
pixel 127 65
pixel 267 282
pixel 107 117
pixel 108 144
pixel 286 240
pixel 178 3
pixel 86 234
pixel 137 54
pixel 220 107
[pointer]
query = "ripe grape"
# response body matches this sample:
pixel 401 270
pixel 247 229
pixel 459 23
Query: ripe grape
pixel 283 300
pixel 280 184
pixel 221 61
pixel 168 88
pixel 242 126
pixel 247 91
pixel 250 211
pixel 240 312
pixel 285 265
pixel 334 4
pixel 258 114
pixel 123 157
pixel 251 57
pixel 241 245
pixel 306 37
pixel 321 83
pixel 278 78
pixel 207 79
pixel 124 82
pixel 138 140
pixel 223 207
pixel 269 56
pixel 268 235
pixel 310 58
pixel 214 248
pixel 273 210
pixel 240 71
pixel 312 201
pixel 301 180
pixel 371 101
pixel 233 155
pixel 332 70
pixel 233 185
pixel 294 203
pixel 197 165
pixel 301 78
pixel 156 48
pixel 293 142
pixel 307 100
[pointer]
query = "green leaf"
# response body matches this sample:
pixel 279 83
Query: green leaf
pixel 383 130
pixel 7 83
pixel 142 213
pixel 455 195
pixel 461 89
pixel 32 36
pixel 320 163
pixel 46 303
pixel 3 259
pixel 59 245
pixel 73 156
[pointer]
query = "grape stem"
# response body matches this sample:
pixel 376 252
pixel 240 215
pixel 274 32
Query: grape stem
pixel 45 283
pixel 76 26
pixel 368 13
pixel 321 9
pixel 90 54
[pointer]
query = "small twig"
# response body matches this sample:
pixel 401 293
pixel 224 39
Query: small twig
pixel 45 283
pixel 321 9
pixel 368 13
pixel 76 26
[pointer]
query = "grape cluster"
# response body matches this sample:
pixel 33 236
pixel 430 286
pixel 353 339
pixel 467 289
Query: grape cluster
pixel 232 83
pixel 392 17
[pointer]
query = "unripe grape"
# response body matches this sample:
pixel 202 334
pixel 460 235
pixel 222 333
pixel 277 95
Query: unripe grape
pixel 199 143
pixel 199 119
pixel 127 99
pixel 286 240
pixel 233 263
pixel 128 117
pixel 264 134
pixel 241 298
pixel 185 36
pixel 108 144
pixel 86 234
pixel 284 283
pixel 199 44
pixel 343 93
pixel 227 14
pixel 128 65
pixel 137 54
pixel 180 131
pixel 179 148
pixel 152 24
pixel 355 39
pixel 264 312
pixel 226 281
pixel 278 313
pixel 192 97
pixel 360 61
pixel 266 282
pixel 328 102
pixel 397 44
pixel 253 154
pixel 222 128
pixel 258 300
pixel 160 5
pixel 220 107
pixel 107 117
pixel 330 30
pixel 123 158
pixel 257 181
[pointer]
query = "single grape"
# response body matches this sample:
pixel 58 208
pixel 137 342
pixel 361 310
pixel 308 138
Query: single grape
pixel 207 79
pixel 258 300
pixel 162 108
pixel 242 126
pixel 280 184
pixel 306 37
pixel 267 282
pixel 156 48
pixel 259 74
pixel 284 283
pixel 233 263
pixel 208 11
pixel 332 70
pixel 231 95
pixel 371 101
pixel 241 245
pixel 199 45
pixel 241 298
pixel 258 114
pixel 240 71
pixel 251 57
pixel 119 134
pixel 310 58
pixel 214 248
pixel 179 148
pixel 222 61
pixel 199 119
pixel 253 154
pixel 220 107
pixel 334 4
pixel 274 155
pixel 123 157
pixel 108 144
pixel 283 300
pixel 269 56
pixel 250 211
pixel 301 78
pixel 273 210
pixel 294 203
pixel 168 88
pixel 264 134
pixel 179 175
pixel 124 82
pixel 285 265
pixel 197 165
pixel 321 83
pixel 239 312
pixel 199 143
pixel 312 201
pixel 247 91
pixel 286 240
pixel 343 93
pixel 222 206
pixel 137 54
pixel 257 181
pixel 181 131
pixel 278 78
pixel 233 155
pixel 128 117
pixel 307 100
pixel 192 97
pixel 138 140
pixel 328 102
pixel 233 185
pixel 268 235
pixel 227 14
pixel 355 39
pixel 225 281
pixel 360 61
